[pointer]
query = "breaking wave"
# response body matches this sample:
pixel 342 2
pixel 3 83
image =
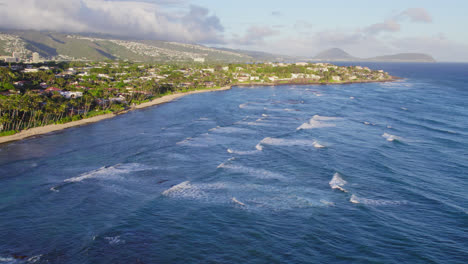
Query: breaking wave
pixel 237 201
pixel 192 191
pixel 288 142
pixel 391 137
pixel 247 152
pixel 325 118
pixel 114 240
pixel 318 122
pixel 105 171
pixel 337 182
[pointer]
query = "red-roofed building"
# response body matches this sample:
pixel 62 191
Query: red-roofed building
pixel 53 89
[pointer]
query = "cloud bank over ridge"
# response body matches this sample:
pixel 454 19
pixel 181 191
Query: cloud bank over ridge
pixel 140 19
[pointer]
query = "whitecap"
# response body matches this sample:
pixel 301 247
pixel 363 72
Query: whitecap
pixel 288 142
pixel 178 188
pixel 237 201
pixel 316 122
pixel 114 240
pixel 318 145
pixel 390 137
pixel 259 147
pixel 325 118
pixel 117 169
pixel 34 259
pixel 189 190
pixel 9 260
pixel 247 152
pixel 337 182
pixel 222 164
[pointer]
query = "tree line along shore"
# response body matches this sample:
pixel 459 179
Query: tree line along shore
pixel 44 94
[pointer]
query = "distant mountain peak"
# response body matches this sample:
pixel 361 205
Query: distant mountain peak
pixel 333 54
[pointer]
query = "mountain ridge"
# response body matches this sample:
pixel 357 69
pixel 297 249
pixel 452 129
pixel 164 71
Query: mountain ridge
pixel 337 54
pixel 98 47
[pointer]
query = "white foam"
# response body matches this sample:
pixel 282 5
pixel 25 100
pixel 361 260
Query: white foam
pixel 318 145
pixel 390 137
pixel 354 199
pixel 193 191
pixel 10 260
pixel 264 115
pixel 258 173
pixel 359 200
pixel 337 182
pixel 313 123
pixel 259 147
pixel 237 201
pixel 325 118
pixel 325 202
pixel 243 105
pixel 118 169
pixel 177 188
pixel 247 152
pixel 288 142
pixel 34 259
pixel 114 240
pixel 222 164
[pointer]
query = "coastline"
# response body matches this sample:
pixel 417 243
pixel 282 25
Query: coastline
pixel 36 131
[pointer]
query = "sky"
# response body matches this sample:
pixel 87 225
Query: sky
pixel 363 28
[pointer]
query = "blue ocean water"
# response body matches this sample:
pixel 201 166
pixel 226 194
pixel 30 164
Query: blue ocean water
pixel 360 173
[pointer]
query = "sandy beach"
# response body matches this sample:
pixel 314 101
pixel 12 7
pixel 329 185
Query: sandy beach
pixel 57 127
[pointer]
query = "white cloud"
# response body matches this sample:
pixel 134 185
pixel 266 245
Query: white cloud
pixel 386 26
pixel 141 19
pixel 255 35
pixel 417 15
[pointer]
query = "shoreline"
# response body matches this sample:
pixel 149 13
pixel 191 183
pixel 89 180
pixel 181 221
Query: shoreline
pixel 37 131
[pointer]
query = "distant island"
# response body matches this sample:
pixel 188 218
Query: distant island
pixel 65 94
pixel 336 54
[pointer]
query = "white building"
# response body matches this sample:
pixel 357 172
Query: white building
pixel 199 60
pixel 69 94
pixel 35 57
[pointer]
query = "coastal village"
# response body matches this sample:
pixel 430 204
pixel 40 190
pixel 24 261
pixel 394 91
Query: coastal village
pixel 38 94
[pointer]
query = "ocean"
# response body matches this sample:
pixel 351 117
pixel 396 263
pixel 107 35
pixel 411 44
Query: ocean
pixel 356 173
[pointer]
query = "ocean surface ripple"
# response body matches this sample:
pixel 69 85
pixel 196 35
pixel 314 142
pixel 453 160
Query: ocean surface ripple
pixel 363 173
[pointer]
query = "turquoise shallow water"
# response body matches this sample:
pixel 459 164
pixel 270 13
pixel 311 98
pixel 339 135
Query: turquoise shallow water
pixel 362 173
